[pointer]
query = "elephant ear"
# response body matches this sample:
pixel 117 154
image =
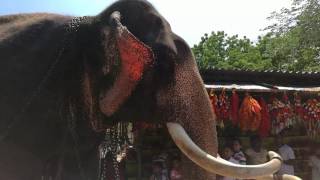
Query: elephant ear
pixel 135 58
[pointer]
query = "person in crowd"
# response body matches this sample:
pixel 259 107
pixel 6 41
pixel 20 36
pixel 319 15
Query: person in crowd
pixel 157 171
pixel 287 154
pixel 227 155
pixel 238 154
pixel 162 157
pixel 314 163
pixel 256 154
pixel 175 172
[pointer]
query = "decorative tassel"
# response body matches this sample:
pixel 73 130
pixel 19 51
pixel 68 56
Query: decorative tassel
pixel 249 114
pixel 214 101
pixel 223 106
pixel 312 117
pixel 112 150
pixel 265 126
pixel 234 107
pixel 281 113
pixel 298 108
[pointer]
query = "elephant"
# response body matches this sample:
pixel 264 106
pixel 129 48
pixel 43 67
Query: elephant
pixel 67 80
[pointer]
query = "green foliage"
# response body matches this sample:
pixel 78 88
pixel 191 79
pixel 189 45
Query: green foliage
pixel 297 34
pixel 223 51
pixel 293 43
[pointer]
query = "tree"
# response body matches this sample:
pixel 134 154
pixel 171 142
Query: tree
pixel 223 51
pixel 293 43
pixel 297 33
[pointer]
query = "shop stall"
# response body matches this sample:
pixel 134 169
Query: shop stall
pixel 267 103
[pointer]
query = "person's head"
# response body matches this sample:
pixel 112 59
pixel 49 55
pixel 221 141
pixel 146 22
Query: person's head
pixel 156 167
pixel 236 145
pixel 255 142
pixel 227 152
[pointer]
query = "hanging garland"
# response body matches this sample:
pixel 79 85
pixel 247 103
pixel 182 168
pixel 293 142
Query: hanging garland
pixel 214 101
pixel 234 107
pixel 281 113
pixel 266 118
pixel 312 117
pixel 265 126
pixel 223 108
pixel 298 108
pixel 249 114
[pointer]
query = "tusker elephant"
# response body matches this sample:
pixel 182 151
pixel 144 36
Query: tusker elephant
pixel 66 81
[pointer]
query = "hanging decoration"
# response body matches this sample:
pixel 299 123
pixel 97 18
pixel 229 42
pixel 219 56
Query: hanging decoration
pixel 265 126
pixel 214 101
pixel 234 107
pixel 281 113
pixel 311 117
pixel 113 149
pixel 298 108
pixel 249 114
pixel 287 113
pixel 223 108
pixel 265 118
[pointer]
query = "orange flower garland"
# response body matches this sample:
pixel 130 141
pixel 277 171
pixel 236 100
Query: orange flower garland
pixel 249 114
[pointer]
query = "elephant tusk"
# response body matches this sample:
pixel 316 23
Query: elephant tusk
pixel 218 165
pixel 282 177
pixel 269 177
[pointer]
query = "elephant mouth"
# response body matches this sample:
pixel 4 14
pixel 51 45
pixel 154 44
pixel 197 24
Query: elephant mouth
pixel 219 165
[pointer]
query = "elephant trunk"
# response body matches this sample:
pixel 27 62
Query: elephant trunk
pixel 185 101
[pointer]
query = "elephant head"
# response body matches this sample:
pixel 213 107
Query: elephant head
pixel 136 68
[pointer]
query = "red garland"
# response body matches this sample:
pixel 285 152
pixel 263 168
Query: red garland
pixel 312 117
pixel 280 113
pixel 298 107
pixel 223 108
pixel 234 107
pixel 214 102
pixel 287 111
pixel 265 126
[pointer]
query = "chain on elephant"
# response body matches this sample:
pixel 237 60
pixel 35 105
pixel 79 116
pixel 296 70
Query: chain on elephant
pixel 112 152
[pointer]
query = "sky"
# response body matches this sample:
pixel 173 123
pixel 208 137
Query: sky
pixel 188 18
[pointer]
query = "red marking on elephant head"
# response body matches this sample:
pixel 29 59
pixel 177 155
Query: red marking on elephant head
pixel 135 58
